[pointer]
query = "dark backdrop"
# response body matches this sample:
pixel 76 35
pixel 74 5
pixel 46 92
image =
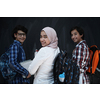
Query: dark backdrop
pixel 62 25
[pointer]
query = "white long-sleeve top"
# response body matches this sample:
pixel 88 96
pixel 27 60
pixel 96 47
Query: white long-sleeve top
pixel 42 65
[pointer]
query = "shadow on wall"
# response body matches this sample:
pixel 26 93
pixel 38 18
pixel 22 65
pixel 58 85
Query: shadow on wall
pixel 62 25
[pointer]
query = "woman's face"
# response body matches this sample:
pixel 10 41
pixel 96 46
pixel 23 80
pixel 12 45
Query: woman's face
pixel 44 39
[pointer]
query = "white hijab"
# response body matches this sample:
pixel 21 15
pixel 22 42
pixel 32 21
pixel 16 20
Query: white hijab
pixel 51 33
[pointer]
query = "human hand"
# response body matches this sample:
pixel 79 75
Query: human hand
pixel 29 75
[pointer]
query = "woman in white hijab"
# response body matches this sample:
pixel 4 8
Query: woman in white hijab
pixel 42 65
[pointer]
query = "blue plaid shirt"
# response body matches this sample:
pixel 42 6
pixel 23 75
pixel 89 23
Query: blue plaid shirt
pixel 13 59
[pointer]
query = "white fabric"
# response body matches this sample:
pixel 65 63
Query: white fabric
pixel 42 65
pixel 51 33
pixel 26 63
pixel 81 78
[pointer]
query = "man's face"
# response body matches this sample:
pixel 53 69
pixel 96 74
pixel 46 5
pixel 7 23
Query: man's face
pixel 20 36
pixel 75 36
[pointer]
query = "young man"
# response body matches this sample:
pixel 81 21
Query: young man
pixel 81 53
pixel 17 55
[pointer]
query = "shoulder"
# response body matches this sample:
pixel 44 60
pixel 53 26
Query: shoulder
pixel 45 49
pixel 16 43
pixel 83 44
pixel 14 46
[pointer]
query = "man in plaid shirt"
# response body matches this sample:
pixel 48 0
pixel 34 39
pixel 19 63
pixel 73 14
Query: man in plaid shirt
pixel 17 55
pixel 80 53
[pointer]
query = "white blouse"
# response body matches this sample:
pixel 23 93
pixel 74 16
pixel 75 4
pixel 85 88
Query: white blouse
pixel 42 65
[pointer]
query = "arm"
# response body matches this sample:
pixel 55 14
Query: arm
pixel 38 61
pixel 81 57
pixel 13 60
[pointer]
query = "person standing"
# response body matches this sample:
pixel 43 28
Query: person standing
pixel 42 65
pixel 81 53
pixel 17 55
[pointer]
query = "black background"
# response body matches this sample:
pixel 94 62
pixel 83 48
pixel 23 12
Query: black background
pixel 62 25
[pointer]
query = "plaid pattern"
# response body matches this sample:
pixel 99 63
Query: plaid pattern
pixel 14 50
pixel 81 56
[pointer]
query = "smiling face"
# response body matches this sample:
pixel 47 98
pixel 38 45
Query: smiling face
pixel 75 36
pixel 44 39
pixel 20 36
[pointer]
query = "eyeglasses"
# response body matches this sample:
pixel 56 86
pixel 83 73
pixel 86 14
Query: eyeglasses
pixel 22 34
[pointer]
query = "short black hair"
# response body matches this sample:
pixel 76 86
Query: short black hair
pixel 79 29
pixel 19 27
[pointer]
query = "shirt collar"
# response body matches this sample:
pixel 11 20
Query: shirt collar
pixel 15 41
pixel 83 41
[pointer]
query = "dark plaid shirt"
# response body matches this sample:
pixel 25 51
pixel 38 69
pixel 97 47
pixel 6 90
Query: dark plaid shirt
pixel 81 56
pixel 13 59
